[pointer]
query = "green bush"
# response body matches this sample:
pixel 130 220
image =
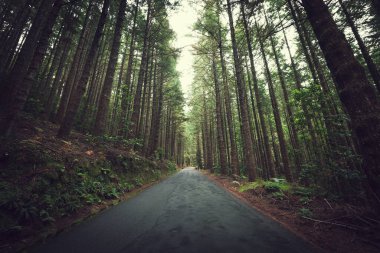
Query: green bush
pixel 271 187
pixel 172 166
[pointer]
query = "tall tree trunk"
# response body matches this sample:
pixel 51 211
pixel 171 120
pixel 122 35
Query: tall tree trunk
pixel 268 152
pixel 137 99
pixel 156 116
pixel 245 131
pixel 356 93
pixel 147 123
pixel 42 46
pixel 227 101
pixel 11 39
pixel 115 108
pixel 100 122
pixel 261 156
pixel 128 76
pixel 219 123
pixel 199 153
pixel 75 69
pixel 292 130
pixel 15 91
pixel 73 105
pixel 276 114
pixel 66 41
pixel 367 57
pixel 208 137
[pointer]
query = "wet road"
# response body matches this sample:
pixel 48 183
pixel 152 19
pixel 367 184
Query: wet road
pixel 184 213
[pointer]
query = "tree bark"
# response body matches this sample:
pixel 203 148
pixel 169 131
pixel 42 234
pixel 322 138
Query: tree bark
pixel 73 105
pixel 245 131
pixel 227 101
pixel 75 69
pixel 133 133
pixel 156 117
pixel 375 74
pixel 219 123
pixel 15 91
pixel 128 76
pixel 100 122
pixel 276 114
pixel 268 152
pixel 292 130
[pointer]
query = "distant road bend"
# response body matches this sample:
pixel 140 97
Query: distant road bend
pixel 184 213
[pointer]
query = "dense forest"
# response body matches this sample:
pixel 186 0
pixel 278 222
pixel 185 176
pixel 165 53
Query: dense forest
pixel 282 89
pixel 101 67
pixel 289 89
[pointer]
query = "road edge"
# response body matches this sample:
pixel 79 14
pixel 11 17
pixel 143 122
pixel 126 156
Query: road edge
pixel 249 204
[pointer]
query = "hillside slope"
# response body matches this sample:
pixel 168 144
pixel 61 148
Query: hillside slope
pixel 47 183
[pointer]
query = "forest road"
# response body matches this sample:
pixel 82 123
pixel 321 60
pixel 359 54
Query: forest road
pixel 184 213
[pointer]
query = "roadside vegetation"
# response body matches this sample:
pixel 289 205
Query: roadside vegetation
pixel 48 184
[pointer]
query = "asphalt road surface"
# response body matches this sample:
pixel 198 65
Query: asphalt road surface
pixel 184 213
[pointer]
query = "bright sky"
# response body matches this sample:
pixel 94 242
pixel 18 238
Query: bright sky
pixel 181 21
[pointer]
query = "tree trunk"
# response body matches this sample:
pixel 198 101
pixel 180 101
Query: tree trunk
pixel 219 123
pixel 137 99
pixel 367 57
pixel 42 46
pixel 245 131
pixel 11 39
pixel 128 76
pixel 75 69
pixel 268 152
pixel 73 105
pixel 15 91
pixel 156 117
pixel 115 108
pixel 66 41
pixel 292 130
pixel 227 101
pixel 100 122
pixel 276 114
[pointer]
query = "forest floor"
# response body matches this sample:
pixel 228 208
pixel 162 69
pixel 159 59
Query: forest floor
pixel 330 225
pixel 48 184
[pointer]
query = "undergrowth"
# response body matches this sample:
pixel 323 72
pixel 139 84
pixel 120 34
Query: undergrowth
pixel 284 191
pixel 38 188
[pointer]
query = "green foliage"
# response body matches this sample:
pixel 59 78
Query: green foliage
pixel 281 190
pixel 268 186
pixel 172 166
pixel 305 212
pixel 278 195
pixel 159 154
pixel 251 185
pixel 271 187
pixel 114 140
pixel 53 189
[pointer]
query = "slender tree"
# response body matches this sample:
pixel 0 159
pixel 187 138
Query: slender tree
pixel 100 122
pixel 245 131
pixel 76 96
